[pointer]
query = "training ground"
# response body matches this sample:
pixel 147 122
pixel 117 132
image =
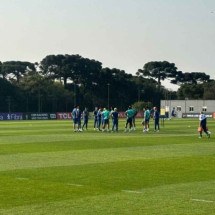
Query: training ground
pixel 46 168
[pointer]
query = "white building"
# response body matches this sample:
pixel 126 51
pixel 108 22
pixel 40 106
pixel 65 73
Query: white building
pixel 189 108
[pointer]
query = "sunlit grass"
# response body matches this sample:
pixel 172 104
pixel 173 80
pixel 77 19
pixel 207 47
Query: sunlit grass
pixel 46 168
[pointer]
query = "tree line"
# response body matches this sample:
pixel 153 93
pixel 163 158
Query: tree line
pixel 59 82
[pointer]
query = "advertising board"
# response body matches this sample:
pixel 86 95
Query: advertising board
pixel 11 116
pixel 39 116
pixel 195 115
pixel 64 115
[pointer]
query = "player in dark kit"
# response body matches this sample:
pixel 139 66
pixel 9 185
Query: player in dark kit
pixel 95 117
pixel 203 125
pixel 115 116
pixel 85 118
pixel 133 118
pixel 156 117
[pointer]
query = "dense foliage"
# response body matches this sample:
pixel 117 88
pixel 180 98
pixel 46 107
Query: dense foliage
pixel 59 82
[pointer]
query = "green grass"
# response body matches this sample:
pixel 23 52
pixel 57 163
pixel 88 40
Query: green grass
pixel 46 168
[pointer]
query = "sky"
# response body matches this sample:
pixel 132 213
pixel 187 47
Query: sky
pixel 123 34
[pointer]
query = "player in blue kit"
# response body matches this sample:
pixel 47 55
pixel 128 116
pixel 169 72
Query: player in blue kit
pixel 76 118
pixel 99 119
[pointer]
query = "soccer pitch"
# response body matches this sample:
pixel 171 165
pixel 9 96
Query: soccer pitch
pixel 46 168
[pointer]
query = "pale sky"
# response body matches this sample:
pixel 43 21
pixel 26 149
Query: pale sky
pixel 123 34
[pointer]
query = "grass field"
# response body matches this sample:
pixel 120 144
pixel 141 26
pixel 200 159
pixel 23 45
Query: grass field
pixel 46 168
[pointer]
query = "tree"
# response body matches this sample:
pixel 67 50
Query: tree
pixel 16 69
pixel 191 91
pixel 79 70
pixel 10 96
pixel 209 90
pixel 59 66
pixel 3 73
pixel 43 94
pixel 88 72
pixel 146 89
pixel 1 69
pixel 158 70
pixel 139 106
pixel 190 78
pixel 122 91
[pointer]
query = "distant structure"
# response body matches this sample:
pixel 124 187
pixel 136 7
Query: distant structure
pixel 188 108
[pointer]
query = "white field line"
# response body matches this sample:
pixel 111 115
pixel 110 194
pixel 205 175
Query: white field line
pixel 22 179
pixel 76 185
pixel 132 191
pixel 202 200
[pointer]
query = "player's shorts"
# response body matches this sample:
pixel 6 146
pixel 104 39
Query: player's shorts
pixel 75 120
pixel 106 121
pixel 129 120
pixel 146 120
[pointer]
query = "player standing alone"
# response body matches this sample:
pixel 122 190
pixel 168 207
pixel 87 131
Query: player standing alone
pixel 203 125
